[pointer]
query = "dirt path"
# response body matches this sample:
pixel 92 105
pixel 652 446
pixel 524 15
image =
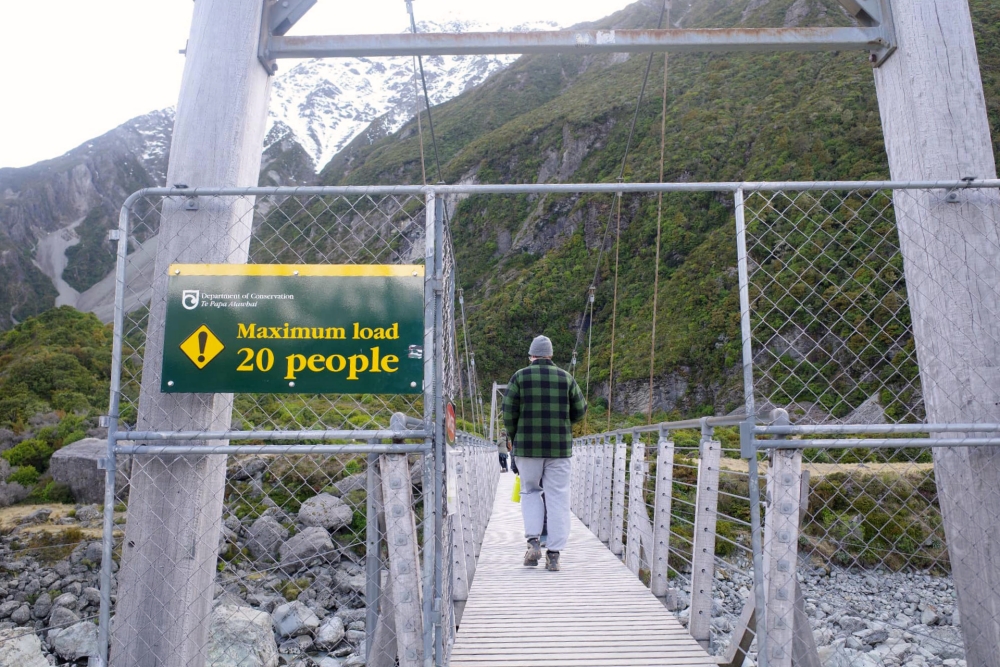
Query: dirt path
pixel 824 469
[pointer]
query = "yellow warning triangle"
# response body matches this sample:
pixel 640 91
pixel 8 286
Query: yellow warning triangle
pixel 202 346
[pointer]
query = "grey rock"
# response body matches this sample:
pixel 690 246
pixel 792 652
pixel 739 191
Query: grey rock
pixel 69 600
pixel 330 634
pixel 62 568
pixel 325 511
pixel 347 581
pixel 241 636
pixel 354 660
pixel 929 616
pixel 21 615
pixel 62 617
pixel 265 536
pixel 352 483
pixel 77 641
pixel 38 516
pixel 296 646
pixel 93 553
pixel 311 543
pixel 43 605
pixel 76 466
pixel 11 492
pixel 90 595
pixel 265 602
pixel 330 661
pixel 247 469
pixel 293 619
pixel 355 636
pixel 18 649
pixel 835 656
pixel 88 513
pixel 351 615
pixel 8 608
pixel 851 624
pixel 943 641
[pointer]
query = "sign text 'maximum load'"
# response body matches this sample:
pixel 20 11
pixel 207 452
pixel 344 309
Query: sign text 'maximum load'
pixel 258 332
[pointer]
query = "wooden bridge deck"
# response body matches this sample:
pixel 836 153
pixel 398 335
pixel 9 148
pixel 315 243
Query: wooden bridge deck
pixel 593 613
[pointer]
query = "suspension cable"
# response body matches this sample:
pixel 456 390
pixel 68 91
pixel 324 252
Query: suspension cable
pixel 621 170
pixel 427 99
pixel 420 125
pixel 614 311
pixel 659 227
pixel 470 355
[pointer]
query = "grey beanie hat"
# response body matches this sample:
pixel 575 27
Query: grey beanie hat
pixel 540 347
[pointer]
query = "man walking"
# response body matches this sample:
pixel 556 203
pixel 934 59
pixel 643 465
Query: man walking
pixel 541 405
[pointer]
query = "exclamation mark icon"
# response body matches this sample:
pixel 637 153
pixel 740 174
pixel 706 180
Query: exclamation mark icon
pixel 202 342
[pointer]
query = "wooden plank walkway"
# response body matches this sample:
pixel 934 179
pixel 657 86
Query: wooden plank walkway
pixel 593 613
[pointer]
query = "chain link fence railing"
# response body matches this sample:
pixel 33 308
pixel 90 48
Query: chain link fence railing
pixel 257 551
pixel 673 503
pixel 855 317
pixel 871 318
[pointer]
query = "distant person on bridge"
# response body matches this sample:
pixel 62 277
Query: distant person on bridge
pixel 503 446
pixel 541 405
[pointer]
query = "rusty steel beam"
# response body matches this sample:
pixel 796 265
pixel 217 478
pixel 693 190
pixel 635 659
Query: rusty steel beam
pixel 586 41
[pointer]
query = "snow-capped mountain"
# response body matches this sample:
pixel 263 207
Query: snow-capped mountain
pixel 327 103
pixel 317 107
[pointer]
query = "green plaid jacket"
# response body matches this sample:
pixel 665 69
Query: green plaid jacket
pixel 539 409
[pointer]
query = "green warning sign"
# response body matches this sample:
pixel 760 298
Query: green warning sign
pixel 280 328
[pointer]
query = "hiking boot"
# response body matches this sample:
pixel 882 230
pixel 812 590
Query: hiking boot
pixel 534 552
pixel 552 561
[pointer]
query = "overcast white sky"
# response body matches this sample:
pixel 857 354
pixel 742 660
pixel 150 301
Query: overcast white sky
pixel 75 69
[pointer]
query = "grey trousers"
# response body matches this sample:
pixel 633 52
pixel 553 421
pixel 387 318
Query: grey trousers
pixel 554 475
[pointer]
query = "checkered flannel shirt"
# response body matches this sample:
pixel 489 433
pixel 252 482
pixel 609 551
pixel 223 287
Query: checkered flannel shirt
pixel 539 409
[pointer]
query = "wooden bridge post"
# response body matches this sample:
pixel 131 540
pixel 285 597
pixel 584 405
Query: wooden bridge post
pixel 467 519
pixel 588 482
pixel 618 495
pixel 703 553
pixel 659 560
pixel 404 559
pixel 935 123
pixel 460 573
pixel 595 487
pixel 576 486
pixel 607 471
pixel 785 487
pixel 636 504
pixel 176 502
pixel 479 509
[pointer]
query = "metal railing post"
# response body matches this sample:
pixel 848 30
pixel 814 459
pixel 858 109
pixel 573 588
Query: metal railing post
pixel 636 504
pixel 703 557
pixel 618 498
pixel 659 561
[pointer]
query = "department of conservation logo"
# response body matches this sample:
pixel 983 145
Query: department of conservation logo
pixel 190 299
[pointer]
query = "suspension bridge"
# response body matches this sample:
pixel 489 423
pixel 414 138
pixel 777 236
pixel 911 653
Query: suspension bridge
pixel 690 537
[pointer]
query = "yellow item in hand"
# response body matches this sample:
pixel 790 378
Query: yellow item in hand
pixel 516 496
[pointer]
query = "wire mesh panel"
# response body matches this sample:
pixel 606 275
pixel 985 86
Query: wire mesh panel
pixel 362 229
pixel 293 546
pixel 272 552
pixel 831 330
pixel 870 307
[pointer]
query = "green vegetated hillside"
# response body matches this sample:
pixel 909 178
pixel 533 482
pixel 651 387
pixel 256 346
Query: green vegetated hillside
pixel 54 375
pixel 526 261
